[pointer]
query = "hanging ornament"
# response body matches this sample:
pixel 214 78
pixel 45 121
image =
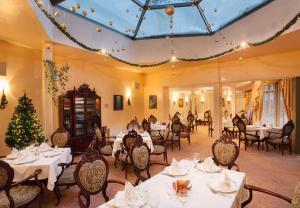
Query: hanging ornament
pixel 73 9
pixel 169 10
pixel 63 26
pixel 98 29
pixel 92 10
pixel 84 13
pixel 78 6
pixel 56 13
pixel 110 23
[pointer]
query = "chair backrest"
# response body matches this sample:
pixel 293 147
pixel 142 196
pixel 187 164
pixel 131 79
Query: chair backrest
pixel 176 127
pixel 225 151
pixel 140 156
pixel 206 115
pixel 6 175
pixel 288 128
pixel 146 126
pixel 166 133
pixel 60 138
pixel 235 120
pixel 175 119
pixel 244 119
pixel 133 124
pixel 152 119
pixel 190 118
pixel 241 126
pixel 130 139
pixel 196 116
pixel 91 173
pixel 296 197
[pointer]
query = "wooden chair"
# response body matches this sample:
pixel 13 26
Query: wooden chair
pixel 152 119
pixel 198 122
pixel 140 159
pixel 244 119
pixel 154 134
pixel 60 138
pixel 206 115
pixel 185 132
pixel 91 176
pixel 175 119
pixel 176 128
pixel 283 139
pixel 210 126
pixel 225 152
pixel 190 118
pixel 246 137
pixel 160 148
pixel 128 141
pixel 19 194
pixel 295 201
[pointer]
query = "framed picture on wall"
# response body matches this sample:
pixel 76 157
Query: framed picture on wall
pixel 152 101
pixel 118 102
pixel 180 103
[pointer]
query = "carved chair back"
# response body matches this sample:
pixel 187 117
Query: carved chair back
pixel 6 176
pixel 190 118
pixel 288 129
pixel 241 127
pixel 146 126
pixel 225 151
pixel 60 138
pixel 130 139
pixel 152 119
pixel 244 119
pixel 175 119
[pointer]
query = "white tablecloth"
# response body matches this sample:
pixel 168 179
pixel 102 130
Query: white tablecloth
pixel 158 126
pixel 49 167
pixel 119 140
pixel 263 132
pixel 200 195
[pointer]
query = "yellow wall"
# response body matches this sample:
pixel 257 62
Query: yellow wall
pixel 107 82
pixel 23 67
pixel 257 68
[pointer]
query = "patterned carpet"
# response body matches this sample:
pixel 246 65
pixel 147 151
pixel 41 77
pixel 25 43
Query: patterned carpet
pixel 268 170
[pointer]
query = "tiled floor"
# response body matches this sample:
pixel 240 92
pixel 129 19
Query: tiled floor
pixel 265 169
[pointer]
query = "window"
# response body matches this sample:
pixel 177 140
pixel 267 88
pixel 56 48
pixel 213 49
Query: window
pixel 269 110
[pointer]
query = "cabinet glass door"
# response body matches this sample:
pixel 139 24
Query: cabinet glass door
pixel 67 111
pixel 79 116
pixel 90 114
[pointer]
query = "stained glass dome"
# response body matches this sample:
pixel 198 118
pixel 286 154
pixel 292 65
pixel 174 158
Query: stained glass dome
pixel 146 19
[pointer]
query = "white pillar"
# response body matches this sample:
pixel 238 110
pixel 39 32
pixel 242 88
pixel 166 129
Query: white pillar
pixel 47 99
pixel 217 124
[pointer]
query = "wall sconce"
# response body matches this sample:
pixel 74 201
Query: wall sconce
pixel 228 99
pixel 128 96
pixel 186 100
pixel 202 99
pixel 174 100
pixel 3 87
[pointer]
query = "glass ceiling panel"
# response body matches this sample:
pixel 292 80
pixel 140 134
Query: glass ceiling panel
pixel 166 2
pixel 124 15
pixel 120 15
pixel 221 12
pixel 186 20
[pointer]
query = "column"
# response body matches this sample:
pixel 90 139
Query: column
pixel 47 99
pixel 217 117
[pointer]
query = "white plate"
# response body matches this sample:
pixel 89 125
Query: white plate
pixel 168 171
pixel 52 154
pixel 202 168
pixel 25 161
pixel 221 186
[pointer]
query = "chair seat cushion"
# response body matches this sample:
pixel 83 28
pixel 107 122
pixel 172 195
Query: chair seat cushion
pixel 158 149
pixel 184 134
pixel 21 195
pixel 276 140
pixel 106 150
pixel 68 175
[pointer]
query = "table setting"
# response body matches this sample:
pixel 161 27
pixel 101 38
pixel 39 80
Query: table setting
pixel 26 161
pixel 158 126
pixel 119 140
pixel 185 183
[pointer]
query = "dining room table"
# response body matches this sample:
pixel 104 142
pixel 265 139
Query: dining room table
pixel 161 193
pixel 117 145
pixel 47 161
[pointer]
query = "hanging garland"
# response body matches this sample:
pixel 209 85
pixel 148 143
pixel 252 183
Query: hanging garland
pixel 63 29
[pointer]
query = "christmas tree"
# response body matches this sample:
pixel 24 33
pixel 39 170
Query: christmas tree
pixel 24 127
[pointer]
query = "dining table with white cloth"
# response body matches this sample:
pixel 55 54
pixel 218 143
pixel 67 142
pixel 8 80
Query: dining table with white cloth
pixel 263 131
pixel 44 161
pixel 119 140
pixel 162 194
pixel 158 126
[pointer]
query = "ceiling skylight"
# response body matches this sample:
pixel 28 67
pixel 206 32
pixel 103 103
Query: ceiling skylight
pixel 191 17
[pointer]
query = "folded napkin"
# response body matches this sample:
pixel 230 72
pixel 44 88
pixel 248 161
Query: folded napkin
pixel 25 158
pixel 43 147
pixel 130 193
pixel 174 169
pixel 209 165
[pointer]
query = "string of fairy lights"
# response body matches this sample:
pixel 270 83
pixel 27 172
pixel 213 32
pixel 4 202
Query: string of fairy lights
pixel 169 11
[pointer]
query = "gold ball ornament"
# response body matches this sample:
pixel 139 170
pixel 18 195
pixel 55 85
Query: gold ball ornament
pixel 169 10
pixel 78 6
pixel 92 10
pixel 73 9
pixel 63 26
pixel 56 13
pixel 98 29
pixel 84 13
